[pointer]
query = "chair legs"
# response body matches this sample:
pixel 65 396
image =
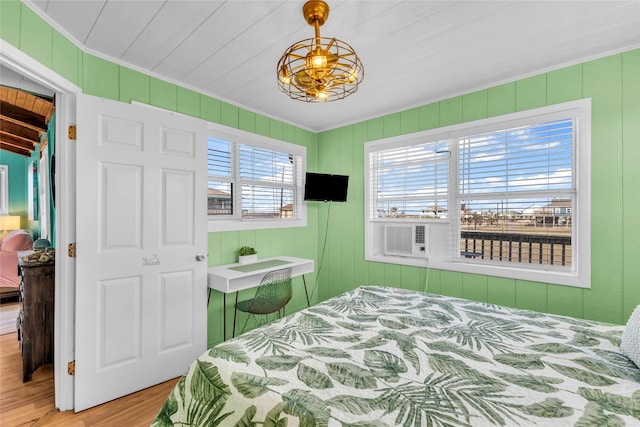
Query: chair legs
pixel 245 324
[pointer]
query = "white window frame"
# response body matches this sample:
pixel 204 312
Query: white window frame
pixel 235 222
pixel 444 235
pixel 4 190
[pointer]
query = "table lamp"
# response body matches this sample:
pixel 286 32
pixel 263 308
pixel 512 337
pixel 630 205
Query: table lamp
pixel 8 223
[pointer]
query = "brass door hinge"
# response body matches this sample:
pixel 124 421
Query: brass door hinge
pixel 71 367
pixel 72 132
pixel 71 250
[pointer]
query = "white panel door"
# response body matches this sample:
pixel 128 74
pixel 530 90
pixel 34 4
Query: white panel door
pixel 141 230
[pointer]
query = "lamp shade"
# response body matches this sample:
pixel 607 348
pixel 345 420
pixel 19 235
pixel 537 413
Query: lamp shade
pixel 9 222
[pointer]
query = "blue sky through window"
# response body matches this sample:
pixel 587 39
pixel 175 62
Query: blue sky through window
pixel 512 169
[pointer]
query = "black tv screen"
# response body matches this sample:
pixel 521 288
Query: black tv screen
pixel 323 187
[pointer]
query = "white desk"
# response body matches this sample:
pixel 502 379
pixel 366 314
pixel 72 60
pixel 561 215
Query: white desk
pixel 236 277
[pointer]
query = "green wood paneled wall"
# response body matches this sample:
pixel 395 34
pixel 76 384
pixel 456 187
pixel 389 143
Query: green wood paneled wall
pixel 24 29
pixel 613 83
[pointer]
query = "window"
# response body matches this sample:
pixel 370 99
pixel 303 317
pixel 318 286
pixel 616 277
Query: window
pixel 411 181
pixel 254 181
pixel 507 196
pixel 4 190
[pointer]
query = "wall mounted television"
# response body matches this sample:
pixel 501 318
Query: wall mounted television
pixel 321 187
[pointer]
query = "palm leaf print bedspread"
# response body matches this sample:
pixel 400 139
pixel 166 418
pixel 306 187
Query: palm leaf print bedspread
pixel 381 356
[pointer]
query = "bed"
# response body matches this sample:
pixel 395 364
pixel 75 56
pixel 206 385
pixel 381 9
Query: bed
pixel 381 356
pixel 14 241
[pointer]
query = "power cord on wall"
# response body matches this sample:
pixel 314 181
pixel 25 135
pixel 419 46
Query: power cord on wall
pixel 426 282
pixel 324 247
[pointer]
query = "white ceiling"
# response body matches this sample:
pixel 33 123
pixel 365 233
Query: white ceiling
pixel 414 52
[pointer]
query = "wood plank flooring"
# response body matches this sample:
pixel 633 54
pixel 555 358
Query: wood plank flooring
pixel 32 403
pixel 8 314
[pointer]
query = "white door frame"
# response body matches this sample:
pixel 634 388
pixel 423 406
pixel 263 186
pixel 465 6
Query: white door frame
pixel 64 317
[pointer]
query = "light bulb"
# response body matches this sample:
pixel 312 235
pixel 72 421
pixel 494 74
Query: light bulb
pixel 319 61
pixel 316 59
pixel 353 75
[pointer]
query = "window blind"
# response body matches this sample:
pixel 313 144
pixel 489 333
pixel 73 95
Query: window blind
pixel 219 157
pixel 4 190
pixel 410 181
pixel 264 165
pixel 220 170
pixel 268 184
pixel 534 158
pixel 517 192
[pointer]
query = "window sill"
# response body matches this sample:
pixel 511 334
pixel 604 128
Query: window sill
pixel 464 265
pixel 400 260
pixel 412 220
pixel 556 277
pixel 238 225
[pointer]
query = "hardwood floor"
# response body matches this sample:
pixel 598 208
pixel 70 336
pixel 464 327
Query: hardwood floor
pixel 32 403
pixel 8 313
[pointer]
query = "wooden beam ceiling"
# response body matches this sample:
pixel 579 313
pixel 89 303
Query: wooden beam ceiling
pixel 23 120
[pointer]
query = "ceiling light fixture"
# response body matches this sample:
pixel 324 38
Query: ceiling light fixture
pixel 319 69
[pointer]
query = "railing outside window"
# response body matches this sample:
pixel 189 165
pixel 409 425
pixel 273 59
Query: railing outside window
pixel 511 247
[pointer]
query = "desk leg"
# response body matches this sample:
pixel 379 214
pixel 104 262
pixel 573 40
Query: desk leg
pixel 224 316
pixel 234 316
pixel 305 290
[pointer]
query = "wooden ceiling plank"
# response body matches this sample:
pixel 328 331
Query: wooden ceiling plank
pixel 12 125
pixel 30 104
pixel 23 120
pixel 24 101
pixel 15 150
pixel 9 95
pixel 15 146
pixel 47 117
pixel 39 106
pixel 18 138
pixel 44 108
pixel 28 101
pixel 10 140
pixel 17 128
pixel 25 116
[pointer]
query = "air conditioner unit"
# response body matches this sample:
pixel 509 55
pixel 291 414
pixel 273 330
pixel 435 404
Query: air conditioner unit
pixel 408 240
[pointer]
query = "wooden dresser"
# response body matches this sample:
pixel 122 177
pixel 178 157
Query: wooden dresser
pixel 35 321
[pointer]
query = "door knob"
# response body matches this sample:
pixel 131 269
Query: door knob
pixel 200 257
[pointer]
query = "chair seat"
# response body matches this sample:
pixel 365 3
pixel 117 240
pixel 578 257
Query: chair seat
pixel 244 305
pixel 273 293
pixel 250 306
pixel 263 307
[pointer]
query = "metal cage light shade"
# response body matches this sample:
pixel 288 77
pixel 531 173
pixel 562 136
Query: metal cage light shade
pixel 319 69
